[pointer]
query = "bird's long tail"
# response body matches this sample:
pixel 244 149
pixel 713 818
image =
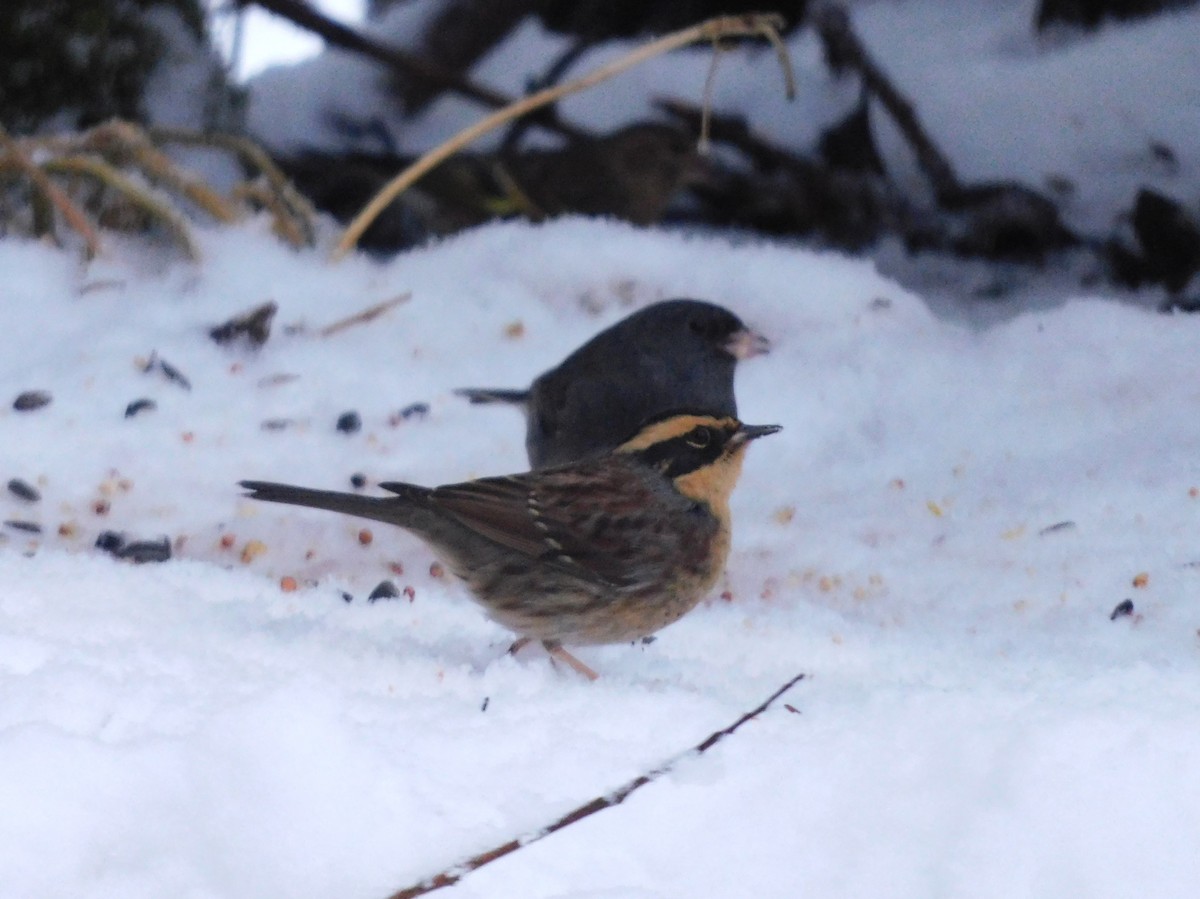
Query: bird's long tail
pixel 407 509
pixel 486 395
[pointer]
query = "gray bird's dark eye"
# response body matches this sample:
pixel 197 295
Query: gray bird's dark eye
pixel 714 327
pixel 699 438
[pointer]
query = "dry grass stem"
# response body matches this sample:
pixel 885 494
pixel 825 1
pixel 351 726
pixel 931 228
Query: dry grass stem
pixel 785 61
pixel 110 177
pixel 299 209
pixel 704 144
pixel 112 152
pixel 283 223
pixel 118 138
pixel 368 314
pixel 73 215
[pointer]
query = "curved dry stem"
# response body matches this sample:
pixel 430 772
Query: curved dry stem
pixel 117 137
pixel 771 33
pixel 366 315
pixel 102 152
pixel 709 30
pixel 253 156
pixel 283 223
pixel 98 169
pixel 704 144
pixel 58 198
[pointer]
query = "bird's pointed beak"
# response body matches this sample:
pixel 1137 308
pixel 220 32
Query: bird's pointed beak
pixel 746 344
pixel 746 433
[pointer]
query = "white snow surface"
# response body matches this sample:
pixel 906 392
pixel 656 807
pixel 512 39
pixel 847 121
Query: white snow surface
pixel 972 722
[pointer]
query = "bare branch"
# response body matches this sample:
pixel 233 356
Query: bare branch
pixel 833 24
pixel 457 872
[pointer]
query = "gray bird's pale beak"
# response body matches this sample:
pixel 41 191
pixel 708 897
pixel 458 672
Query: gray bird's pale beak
pixel 746 344
pixel 746 433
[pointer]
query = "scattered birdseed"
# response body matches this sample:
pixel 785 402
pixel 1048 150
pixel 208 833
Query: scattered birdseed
pixel 141 551
pixel 21 490
pixel 358 481
pixel 1055 528
pixel 172 373
pixel 384 590
pixel 277 379
pixel 252 550
pixel 349 422
pixel 1124 607
pixel 254 325
pixel 29 527
pixel 31 399
pixel 110 542
pixel 142 405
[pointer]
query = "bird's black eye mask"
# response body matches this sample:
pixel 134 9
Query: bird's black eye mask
pixel 686 453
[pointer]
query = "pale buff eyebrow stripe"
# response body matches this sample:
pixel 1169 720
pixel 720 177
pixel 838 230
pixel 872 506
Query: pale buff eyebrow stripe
pixel 676 426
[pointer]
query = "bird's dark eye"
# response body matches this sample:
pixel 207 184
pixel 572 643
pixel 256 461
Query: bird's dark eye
pixel 699 438
pixel 713 327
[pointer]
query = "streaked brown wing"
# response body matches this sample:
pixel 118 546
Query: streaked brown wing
pixel 588 520
pixel 498 508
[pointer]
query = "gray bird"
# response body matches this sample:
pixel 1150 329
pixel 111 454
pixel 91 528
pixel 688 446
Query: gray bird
pixel 676 354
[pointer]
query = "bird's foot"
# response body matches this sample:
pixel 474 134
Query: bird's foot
pixel 557 652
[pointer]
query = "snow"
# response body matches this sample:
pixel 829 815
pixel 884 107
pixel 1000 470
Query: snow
pixel 960 498
pixel 972 722
pixel 1003 103
pixel 268 40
